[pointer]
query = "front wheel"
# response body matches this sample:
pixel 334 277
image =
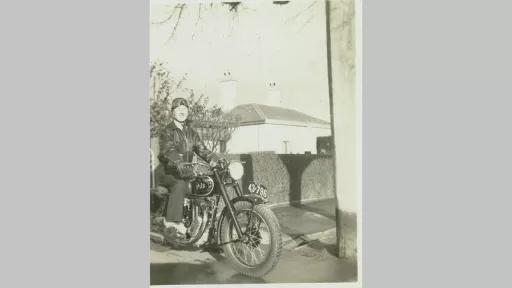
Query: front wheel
pixel 259 252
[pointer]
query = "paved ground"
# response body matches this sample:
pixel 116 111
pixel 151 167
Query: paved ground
pixel 308 254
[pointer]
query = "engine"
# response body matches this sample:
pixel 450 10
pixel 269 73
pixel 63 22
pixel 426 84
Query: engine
pixel 197 212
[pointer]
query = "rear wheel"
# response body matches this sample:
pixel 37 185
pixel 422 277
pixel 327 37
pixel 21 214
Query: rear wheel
pixel 259 252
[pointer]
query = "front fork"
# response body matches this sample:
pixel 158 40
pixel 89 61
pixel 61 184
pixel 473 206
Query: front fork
pixel 228 204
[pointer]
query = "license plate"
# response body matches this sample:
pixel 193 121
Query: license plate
pixel 258 189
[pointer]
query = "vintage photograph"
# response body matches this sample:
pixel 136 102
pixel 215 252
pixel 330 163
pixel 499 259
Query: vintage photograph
pixel 255 142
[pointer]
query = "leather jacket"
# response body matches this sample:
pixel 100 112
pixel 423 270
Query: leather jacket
pixel 178 145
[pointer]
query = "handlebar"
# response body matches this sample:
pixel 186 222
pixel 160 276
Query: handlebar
pixel 209 167
pixel 196 163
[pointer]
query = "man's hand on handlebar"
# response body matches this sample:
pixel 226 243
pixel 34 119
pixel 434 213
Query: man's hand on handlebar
pixel 218 162
pixel 186 170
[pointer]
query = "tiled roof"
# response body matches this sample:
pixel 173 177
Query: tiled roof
pixel 258 113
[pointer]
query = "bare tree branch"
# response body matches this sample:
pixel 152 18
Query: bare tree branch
pixel 178 85
pixel 302 11
pixel 307 22
pixel 233 6
pixel 197 21
pixel 169 17
pixel 181 8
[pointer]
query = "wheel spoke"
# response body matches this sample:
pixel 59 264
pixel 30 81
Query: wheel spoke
pixel 247 259
pixel 261 251
pixel 246 255
pixel 249 221
pixel 238 246
pixel 241 252
pixel 253 251
pixel 235 250
pixel 253 256
pixel 256 255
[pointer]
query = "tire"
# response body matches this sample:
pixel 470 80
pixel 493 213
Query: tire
pixel 233 250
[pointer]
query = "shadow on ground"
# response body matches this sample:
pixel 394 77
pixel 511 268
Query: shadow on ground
pixel 313 207
pixel 201 273
pixel 300 219
pixel 197 272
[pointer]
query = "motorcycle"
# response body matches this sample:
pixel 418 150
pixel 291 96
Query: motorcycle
pixel 245 229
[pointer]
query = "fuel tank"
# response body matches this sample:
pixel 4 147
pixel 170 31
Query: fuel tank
pixel 201 187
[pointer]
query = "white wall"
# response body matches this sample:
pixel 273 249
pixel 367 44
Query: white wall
pixel 270 137
pixel 244 139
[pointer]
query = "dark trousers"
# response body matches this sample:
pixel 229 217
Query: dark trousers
pixel 177 188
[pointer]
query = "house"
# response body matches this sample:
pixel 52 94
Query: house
pixel 274 128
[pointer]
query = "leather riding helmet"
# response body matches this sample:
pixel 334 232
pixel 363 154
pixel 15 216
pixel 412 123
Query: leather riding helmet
pixel 178 102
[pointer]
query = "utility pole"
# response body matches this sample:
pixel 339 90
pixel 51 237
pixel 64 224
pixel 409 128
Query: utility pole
pixel 343 105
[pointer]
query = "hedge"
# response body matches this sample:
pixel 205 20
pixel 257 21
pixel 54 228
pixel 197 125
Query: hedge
pixel 290 178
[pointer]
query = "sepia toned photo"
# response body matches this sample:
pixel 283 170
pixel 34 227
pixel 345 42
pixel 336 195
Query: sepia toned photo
pixel 255 142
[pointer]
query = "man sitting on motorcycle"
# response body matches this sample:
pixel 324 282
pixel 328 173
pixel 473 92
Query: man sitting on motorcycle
pixel 178 143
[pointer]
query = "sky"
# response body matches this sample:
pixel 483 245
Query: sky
pixel 259 44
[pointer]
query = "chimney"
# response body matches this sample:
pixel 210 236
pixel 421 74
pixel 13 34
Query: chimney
pixel 274 95
pixel 227 92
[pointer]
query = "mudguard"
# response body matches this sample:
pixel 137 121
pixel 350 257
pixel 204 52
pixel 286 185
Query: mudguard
pixel 252 198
